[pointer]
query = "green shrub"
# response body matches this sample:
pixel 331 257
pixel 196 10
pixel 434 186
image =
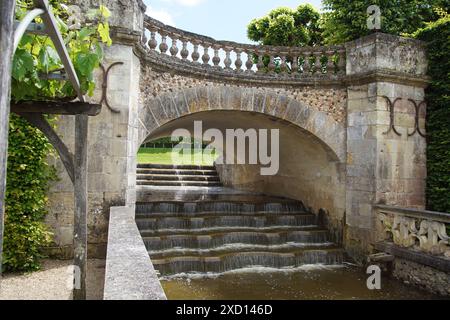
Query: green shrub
pixel 28 178
pixel 437 35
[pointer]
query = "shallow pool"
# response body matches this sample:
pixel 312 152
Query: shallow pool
pixel 305 283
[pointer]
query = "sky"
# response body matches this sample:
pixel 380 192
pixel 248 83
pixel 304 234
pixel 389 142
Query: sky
pixel 219 19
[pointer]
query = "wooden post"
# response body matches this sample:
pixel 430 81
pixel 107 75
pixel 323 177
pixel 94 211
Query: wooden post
pixel 80 219
pixel 6 51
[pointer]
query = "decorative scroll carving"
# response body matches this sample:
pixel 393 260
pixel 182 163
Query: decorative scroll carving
pixel 426 234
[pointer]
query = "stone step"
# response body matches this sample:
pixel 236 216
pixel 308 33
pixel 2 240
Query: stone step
pixel 189 172
pixel 237 247
pixel 179 183
pixel 207 231
pixel 215 240
pixel 207 214
pixel 176 167
pixel 239 260
pixel 183 178
pixel 209 221
pixel 220 206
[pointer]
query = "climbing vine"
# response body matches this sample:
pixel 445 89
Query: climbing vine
pixel 29 173
pixel 437 35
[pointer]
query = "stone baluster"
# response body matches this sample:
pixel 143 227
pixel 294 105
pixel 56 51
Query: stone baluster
pixel 307 68
pixel 195 54
pixel 163 47
pixel 227 60
pixel 330 62
pixel 342 63
pixel 174 47
pixel 184 51
pixel 260 64
pixel 283 65
pixel 249 63
pixel 238 63
pixel 216 58
pixel 152 42
pixel 272 66
pixel 294 65
pixel 205 56
pixel 317 62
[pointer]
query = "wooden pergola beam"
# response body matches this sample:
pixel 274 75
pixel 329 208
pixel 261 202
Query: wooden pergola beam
pixel 6 50
pixel 61 108
pixel 42 124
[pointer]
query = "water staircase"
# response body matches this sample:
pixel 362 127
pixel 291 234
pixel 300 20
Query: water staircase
pixel 205 228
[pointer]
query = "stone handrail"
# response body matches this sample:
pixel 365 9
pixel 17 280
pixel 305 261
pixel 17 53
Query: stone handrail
pixel 129 271
pixel 269 61
pixel 411 228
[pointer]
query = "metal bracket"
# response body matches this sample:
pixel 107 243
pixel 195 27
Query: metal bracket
pixel 105 85
pixel 392 116
pixel 417 126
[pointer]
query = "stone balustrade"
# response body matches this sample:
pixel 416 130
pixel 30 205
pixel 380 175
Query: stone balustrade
pixel 268 61
pixel 419 229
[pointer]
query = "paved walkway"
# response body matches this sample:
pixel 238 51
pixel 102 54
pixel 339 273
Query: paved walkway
pixel 51 282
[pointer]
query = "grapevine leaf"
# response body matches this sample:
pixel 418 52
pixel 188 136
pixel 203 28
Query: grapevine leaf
pixel 103 31
pixel 86 63
pixel 23 63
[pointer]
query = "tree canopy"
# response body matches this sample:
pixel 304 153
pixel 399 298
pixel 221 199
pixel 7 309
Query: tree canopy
pixel 345 20
pixel 287 27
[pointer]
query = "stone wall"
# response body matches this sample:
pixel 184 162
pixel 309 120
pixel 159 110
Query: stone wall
pixel 112 138
pixel 422 276
pixel 383 167
pixel 110 163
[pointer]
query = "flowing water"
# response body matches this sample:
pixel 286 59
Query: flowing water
pixel 210 242
pixel 305 283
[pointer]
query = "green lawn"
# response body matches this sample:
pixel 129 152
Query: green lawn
pixel 167 156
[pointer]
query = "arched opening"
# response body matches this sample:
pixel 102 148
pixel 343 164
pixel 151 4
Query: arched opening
pixel 309 170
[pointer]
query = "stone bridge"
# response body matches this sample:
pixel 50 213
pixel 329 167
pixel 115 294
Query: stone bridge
pixel 345 145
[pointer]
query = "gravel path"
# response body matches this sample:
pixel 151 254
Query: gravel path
pixel 51 282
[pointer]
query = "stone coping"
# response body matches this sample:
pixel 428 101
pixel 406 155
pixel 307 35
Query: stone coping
pixel 415 213
pixel 436 262
pixel 130 274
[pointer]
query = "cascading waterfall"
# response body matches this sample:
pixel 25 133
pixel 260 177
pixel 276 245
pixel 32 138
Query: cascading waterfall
pixel 218 233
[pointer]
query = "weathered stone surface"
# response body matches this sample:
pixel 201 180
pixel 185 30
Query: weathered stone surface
pixel 129 272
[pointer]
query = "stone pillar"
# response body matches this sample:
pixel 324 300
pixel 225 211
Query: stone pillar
pixel 382 166
pixel 112 137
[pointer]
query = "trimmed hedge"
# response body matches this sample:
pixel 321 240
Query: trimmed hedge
pixel 437 35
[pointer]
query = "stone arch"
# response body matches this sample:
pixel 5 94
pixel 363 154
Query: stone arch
pixel 162 109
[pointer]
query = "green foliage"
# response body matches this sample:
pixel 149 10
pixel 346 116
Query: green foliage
pixel 287 27
pixel 346 20
pixel 36 55
pixel 437 34
pixel 27 183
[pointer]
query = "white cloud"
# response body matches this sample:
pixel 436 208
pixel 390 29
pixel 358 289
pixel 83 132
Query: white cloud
pixel 185 3
pixel 189 3
pixel 161 15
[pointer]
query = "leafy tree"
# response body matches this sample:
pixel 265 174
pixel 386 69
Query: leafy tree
pixel 28 173
pixel 287 27
pixel 347 20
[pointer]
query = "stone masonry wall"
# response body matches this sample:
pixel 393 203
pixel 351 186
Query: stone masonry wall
pixel 332 101
pixel 424 277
